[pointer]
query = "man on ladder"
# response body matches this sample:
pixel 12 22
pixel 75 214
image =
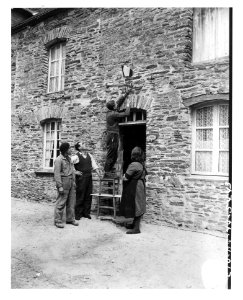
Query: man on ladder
pixel 113 117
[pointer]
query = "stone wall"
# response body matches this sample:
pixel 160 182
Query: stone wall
pixel 157 44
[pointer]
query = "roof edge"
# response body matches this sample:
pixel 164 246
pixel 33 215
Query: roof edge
pixel 36 19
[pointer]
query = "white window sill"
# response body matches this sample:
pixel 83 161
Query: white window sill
pixel 208 178
pixel 213 61
pixel 53 93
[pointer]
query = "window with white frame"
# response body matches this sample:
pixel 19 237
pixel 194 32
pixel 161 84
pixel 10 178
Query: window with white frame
pixel 210 33
pixel 52 138
pixel 210 147
pixel 57 57
pixel 137 115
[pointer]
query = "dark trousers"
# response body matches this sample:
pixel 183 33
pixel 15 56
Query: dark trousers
pixel 67 199
pixel 84 187
pixel 112 143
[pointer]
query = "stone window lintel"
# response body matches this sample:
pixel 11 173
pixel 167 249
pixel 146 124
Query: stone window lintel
pixel 205 99
pixel 57 40
pixel 43 121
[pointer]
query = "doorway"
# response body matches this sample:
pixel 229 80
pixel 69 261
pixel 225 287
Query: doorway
pixel 131 135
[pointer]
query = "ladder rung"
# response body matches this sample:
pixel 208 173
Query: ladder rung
pixel 110 207
pixel 106 195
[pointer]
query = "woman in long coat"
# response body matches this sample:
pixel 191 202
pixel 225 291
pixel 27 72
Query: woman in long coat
pixel 133 201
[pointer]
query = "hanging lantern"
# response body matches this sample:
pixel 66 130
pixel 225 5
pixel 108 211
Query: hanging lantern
pixel 127 71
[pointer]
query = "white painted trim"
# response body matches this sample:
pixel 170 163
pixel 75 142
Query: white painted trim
pixel 215 139
pixel 49 71
pixel 132 123
pixel 60 60
pixel 133 115
pixel 193 141
pixel 60 68
pixel 44 145
pixel 215 149
pixel 55 142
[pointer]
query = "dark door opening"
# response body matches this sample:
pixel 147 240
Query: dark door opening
pixel 132 136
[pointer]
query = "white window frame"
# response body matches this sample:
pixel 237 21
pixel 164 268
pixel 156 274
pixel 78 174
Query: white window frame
pixel 133 115
pixel 61 61
pixel 210 39
pixel 49 121
pixel 215 150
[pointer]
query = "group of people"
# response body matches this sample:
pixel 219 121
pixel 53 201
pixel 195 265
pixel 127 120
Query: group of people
pixel 73 176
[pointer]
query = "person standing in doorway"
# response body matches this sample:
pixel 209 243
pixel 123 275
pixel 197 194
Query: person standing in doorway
pixel 133 201
pixel 113 116
pixel 64 175
pixel 84 164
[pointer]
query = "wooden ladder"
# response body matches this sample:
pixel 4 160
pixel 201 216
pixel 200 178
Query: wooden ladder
pixel 108 190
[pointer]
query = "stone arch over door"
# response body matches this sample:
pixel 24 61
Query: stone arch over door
pixel 145 102
pixel 140 102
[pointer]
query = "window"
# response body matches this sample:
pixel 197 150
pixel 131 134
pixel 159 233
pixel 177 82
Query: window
pixel 210 33
pixel 136 116
pixel 56 68
pixel 210 148
pixel 52 137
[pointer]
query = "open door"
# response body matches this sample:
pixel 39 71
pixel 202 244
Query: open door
pixel 132 134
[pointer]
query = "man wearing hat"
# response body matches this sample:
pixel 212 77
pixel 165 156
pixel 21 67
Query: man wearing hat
pixel 64 175
pixel 84 164
pixel 113 117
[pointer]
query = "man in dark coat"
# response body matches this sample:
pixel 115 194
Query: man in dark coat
pixel 84 164
pixel 113 116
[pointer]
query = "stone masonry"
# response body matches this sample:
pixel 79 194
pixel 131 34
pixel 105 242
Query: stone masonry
pixel 157 44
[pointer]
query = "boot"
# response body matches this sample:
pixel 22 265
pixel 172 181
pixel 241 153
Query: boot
pixel 130 226
pixel 136 228
pixel 59 225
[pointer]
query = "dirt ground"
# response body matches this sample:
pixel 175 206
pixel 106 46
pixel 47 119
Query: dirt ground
pixel 98 254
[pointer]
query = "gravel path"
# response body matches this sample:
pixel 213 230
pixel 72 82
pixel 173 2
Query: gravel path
pixel 98 254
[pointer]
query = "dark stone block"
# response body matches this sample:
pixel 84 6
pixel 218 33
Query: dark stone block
pixel 151 67
pixel 172 118
pixel 176 203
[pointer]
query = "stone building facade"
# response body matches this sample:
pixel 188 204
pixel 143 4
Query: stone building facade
pixel 157 43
